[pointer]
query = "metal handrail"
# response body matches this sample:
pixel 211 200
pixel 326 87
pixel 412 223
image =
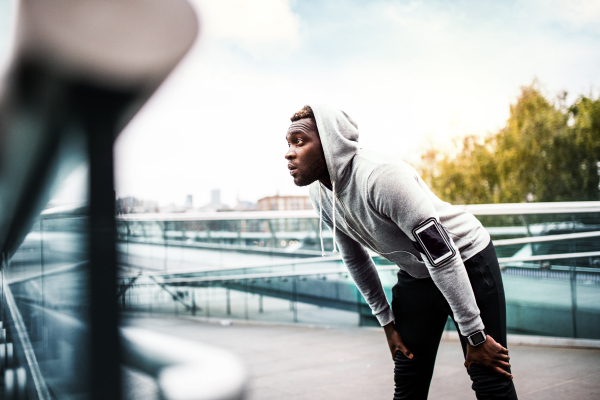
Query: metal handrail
pixel 475 209
pixel 548 257
pixel 315 260
pixel 265 275
pixel 311 260
pixel 549 238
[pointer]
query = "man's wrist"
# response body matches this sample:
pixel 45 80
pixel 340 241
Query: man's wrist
pixel 477 338
pixel 389 327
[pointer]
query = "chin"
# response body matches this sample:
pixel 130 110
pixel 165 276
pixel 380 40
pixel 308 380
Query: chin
pixel 302 182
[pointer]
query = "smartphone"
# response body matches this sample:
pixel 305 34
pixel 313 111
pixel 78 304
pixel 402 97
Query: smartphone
pixel 434 241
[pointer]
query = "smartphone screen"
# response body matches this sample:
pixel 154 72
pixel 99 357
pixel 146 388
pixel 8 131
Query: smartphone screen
pixel 434 241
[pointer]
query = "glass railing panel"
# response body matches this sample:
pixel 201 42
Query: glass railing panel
pixel 557 295
pixel 329 299
pixel 48 279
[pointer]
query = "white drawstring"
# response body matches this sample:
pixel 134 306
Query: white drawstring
pixel 321 222
pixel 334 250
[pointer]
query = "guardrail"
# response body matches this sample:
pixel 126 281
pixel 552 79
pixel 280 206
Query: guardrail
pixel 317 260
pixel 475 209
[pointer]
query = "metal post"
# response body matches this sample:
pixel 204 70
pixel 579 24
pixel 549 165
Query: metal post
pixel 246 301
pixel 573 279
pixel 193 302
pixel 2 272
pixel 99 111
pixel 165 242
pixel 294 294
pixel 260 303
pixel 228 303
pixel 207 302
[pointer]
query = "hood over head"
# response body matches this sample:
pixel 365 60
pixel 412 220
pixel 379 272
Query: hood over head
pixel 339 138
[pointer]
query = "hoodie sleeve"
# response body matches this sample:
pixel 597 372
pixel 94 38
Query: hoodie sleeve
pixel 396 193
pixel 365 276
pixel 364 273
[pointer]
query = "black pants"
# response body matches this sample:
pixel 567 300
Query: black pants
pixel 421 312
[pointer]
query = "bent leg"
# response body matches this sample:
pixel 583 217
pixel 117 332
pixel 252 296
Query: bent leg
pixel 486 280
pixel 419 318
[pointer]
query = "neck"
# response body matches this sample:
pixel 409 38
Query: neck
pixel 326 181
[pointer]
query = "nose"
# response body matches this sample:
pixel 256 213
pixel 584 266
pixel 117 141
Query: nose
pixel 290 154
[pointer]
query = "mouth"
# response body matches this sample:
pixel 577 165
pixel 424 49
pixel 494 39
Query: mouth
pixel 292 169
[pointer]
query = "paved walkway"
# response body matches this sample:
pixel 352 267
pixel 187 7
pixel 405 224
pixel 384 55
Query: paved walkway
pixel 295 362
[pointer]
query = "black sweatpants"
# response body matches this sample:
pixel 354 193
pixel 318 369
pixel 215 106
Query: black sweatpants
pixel 421 312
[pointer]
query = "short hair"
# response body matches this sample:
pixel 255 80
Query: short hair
pixel 306 112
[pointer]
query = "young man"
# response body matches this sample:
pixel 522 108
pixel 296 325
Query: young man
pixel 448 265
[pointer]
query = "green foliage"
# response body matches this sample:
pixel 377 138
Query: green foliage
pixel 546 152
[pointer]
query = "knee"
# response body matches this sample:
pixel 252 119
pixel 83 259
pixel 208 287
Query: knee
pixel 488 384
pixel 405 368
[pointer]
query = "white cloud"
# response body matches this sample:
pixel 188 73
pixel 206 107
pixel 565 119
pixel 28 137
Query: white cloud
pixel 575 14
pixel 259 27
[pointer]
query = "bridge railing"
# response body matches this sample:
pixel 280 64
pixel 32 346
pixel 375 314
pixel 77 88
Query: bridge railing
pixel 549 255
pixel 567 228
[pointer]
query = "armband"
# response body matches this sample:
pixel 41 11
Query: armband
pixel 434 242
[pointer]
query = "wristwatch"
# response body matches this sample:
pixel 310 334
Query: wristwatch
pixel 477 338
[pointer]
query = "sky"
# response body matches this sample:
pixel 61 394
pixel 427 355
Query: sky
pixel 408 72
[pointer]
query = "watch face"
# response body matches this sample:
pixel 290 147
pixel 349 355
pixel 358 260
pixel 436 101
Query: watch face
pixel 477 338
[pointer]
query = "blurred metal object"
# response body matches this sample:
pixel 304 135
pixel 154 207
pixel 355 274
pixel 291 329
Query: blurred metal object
pixel 184 370
pixel 79 71
pixel 125 44
pixel 71 56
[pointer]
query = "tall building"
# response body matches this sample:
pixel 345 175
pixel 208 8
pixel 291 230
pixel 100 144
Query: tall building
pixel 189 202
pixel 215 196
pixel 281 203
pixel 215 202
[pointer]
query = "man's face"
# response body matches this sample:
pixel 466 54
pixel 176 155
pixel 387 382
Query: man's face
pixel 306 160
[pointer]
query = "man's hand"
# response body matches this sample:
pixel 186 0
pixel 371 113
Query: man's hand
pixel 490 354
pixel 395 341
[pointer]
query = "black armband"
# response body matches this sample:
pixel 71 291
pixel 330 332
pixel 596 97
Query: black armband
pixel 433 241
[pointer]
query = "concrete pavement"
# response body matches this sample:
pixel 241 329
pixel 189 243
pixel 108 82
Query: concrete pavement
pixel 299 362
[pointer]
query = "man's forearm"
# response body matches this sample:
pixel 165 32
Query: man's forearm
pixel 452 280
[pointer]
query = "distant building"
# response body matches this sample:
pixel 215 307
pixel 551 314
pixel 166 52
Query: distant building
pixel 128 205
pixel 189 202
pixel 215 196
pixel 215 203
pixel 281 203
pixel 245 206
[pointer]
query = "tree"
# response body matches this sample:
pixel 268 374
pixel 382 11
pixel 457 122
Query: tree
pixel 546 152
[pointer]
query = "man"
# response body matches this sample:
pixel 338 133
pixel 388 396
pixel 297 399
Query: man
pixel 448 265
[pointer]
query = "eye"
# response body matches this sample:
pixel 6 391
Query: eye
pixel 299 141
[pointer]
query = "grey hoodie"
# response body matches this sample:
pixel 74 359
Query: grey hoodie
pixel 378 201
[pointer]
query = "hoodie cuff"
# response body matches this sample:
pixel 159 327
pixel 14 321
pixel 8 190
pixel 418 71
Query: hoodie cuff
pixel 385 317
pixel 472 326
